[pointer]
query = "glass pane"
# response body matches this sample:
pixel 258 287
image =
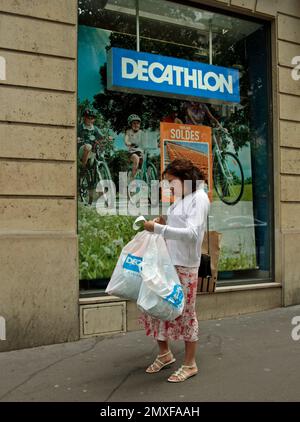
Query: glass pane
pixel 241 208
pixel 242 142
pixel 117 15
pixel 178 31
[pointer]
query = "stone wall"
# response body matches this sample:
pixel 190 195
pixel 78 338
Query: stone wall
pixel 38 213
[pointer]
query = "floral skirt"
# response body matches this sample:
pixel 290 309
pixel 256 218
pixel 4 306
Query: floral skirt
pixel 185 327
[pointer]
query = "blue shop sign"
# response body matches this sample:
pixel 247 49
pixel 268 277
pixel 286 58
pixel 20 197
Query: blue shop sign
pixel 133 71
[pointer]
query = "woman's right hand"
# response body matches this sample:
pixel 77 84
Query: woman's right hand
pixel 160 220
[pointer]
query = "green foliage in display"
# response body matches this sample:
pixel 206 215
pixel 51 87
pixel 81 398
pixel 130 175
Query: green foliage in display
pixel 101 239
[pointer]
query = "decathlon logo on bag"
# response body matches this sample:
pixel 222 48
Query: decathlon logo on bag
pixel 130 70
pixel 176 297
pixel 133 263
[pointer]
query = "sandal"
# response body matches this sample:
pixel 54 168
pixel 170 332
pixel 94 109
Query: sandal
pixel 182 374
pixel 157 365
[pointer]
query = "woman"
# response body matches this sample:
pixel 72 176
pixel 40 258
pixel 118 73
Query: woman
pixel 196 114
pixel 184 232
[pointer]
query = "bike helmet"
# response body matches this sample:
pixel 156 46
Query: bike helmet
pixel 90 112
pixel 132 118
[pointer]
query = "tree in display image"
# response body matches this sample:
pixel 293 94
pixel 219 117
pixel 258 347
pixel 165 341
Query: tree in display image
pixel 151 109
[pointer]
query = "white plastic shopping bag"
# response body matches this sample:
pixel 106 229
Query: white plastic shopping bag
pixel 161 294
pixel 126 279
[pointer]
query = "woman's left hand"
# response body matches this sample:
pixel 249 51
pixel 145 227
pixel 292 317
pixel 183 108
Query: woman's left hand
pixel 149 225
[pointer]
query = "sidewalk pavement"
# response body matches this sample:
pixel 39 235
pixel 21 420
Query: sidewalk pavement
pixel 251 357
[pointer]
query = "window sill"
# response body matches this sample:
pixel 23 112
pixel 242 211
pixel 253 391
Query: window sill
pixel 247 287
pixel 106 298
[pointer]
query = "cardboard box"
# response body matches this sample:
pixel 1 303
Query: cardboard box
pixel 208 285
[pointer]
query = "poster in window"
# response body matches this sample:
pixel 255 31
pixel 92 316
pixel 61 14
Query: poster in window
pixel 192 142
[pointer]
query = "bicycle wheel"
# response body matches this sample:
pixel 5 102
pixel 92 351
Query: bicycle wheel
pixel 84 185
pixel 151 175
pixel 103 173
pixel 134 185
pixel 228 178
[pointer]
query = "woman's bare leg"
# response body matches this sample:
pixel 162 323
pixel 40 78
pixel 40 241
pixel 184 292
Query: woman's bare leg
pixel 190 353
pixel 163 347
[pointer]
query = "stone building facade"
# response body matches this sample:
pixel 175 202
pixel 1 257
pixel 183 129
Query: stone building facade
pixel 39 281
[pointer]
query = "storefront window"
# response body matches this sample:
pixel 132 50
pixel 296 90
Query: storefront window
pixel 241 172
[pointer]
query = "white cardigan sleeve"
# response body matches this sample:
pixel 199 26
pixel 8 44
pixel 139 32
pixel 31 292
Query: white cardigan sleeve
pixel 195 218
pixel 175 233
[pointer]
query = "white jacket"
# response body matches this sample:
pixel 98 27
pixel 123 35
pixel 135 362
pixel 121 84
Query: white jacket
pixel 185 228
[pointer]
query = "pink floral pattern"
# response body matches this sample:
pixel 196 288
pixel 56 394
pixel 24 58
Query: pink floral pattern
pixel 185 327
